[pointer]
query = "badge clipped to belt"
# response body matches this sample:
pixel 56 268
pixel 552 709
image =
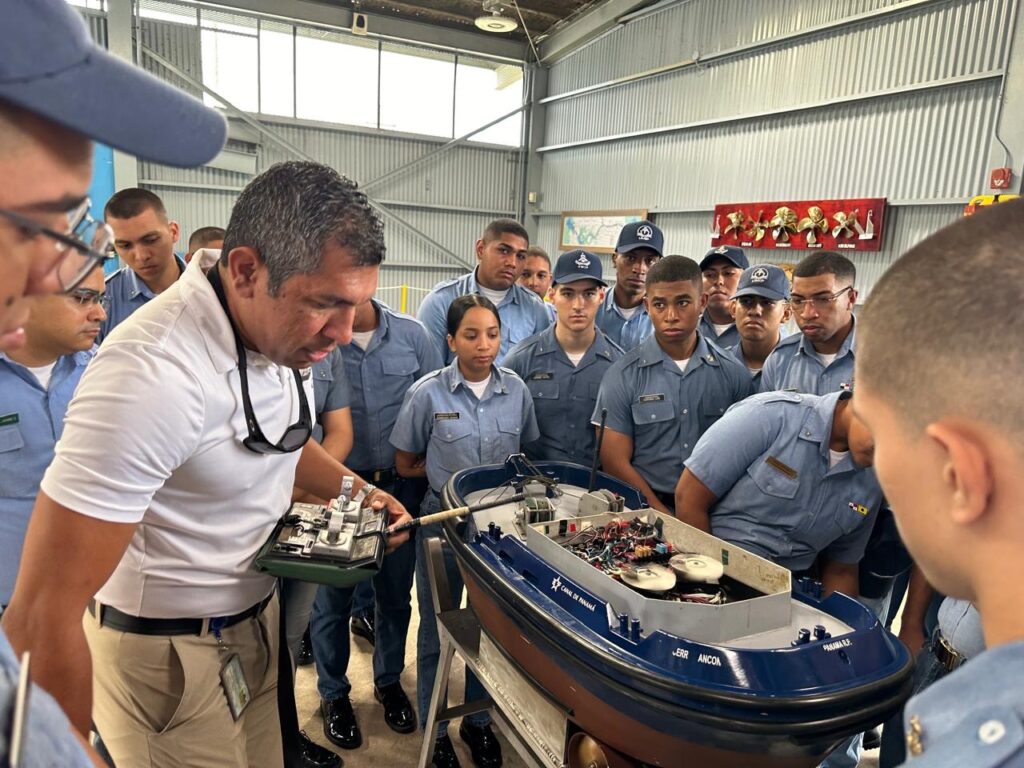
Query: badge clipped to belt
pixel 232 676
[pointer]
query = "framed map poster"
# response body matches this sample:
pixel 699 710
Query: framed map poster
pixel 596 231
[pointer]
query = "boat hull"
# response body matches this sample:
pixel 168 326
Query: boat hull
pixel 641 718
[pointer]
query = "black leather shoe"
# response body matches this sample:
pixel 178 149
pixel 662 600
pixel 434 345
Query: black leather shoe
pixel 872 739
pixel 340 726
pixel 444 754
pixel 483 744
pixel 398 711
pixel 305 657
pixel 312 755
pixel 362 626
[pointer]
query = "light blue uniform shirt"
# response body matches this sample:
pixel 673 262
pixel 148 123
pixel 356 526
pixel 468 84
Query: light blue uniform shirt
pixel 960 624
pixel 399 353
pixel 49 741
pixel 664 410
pixel 563 394
pixel 730 337
pixel 443 418
pixel 628 334
pixel 974 717
pixel 522 313
pixel 330 389
pixel 31 422
pixel 795 365
pixel 767 461
pixel 127 293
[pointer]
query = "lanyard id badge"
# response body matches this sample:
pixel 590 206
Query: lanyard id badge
pixel 232 677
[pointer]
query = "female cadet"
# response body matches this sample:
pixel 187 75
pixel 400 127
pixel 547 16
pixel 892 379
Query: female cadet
pixel 469 413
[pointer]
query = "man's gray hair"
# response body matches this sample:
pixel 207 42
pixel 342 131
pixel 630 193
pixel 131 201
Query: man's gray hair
pixel 291 211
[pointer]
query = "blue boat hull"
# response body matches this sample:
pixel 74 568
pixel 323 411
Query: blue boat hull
pixel 645 699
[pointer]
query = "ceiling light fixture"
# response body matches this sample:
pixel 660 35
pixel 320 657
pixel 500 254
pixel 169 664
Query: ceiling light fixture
pixel 494 19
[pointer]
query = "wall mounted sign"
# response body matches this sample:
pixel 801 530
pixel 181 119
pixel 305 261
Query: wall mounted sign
pixel 831 225
pixel 596 231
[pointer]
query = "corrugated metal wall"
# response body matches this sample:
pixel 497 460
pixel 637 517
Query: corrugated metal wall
pixel 899 105
pixel 450 199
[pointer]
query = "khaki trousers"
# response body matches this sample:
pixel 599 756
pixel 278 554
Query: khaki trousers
pixel 158 701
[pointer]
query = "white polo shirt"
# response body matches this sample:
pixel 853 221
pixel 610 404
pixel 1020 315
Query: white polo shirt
pixel 154 437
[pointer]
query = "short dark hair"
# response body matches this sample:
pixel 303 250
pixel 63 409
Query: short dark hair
pixel 203 237
pixel 500 227
pixel 458 309
pixel 674 269
pixel 290 212
pixel 129 203
pixel 826 263
pixel 537 251
pixel 930 346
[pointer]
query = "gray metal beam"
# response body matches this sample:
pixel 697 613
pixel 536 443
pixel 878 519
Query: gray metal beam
pixel 533 181
pixel 438 151
pixel 385 27
pixel 594 22
pixel 296 152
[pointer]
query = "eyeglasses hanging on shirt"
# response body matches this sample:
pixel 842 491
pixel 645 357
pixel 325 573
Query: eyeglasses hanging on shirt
pixel 297 434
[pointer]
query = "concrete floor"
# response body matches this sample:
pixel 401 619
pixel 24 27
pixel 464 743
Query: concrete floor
pixel 382 747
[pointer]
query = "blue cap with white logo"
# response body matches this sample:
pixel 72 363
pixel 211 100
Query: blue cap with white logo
pixel 730 253
pixel 640 234
pixel 578 265
pixel 765 280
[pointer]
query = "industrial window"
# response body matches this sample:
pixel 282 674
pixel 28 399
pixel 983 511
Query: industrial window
pixel 230 51
pixel 335 78
pixel 277 69
pixel 417 90
pixel 484 91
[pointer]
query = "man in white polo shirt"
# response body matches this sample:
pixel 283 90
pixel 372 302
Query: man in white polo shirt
pixel 179 453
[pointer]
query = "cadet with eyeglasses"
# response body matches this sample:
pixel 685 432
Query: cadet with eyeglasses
pixel 159 498
pixel 820 358
pixel 37 381
pixel 55 97
pixel 563 366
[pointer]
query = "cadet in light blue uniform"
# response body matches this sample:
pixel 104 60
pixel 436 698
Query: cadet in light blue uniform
pixel 721 269
pixel 144 238
pixel 388 353
pixel 663 395
pixel 760 307
pixel 501 254
pixel 820 358
pixel 36 385
pixel 787 476
pixel 949 441
pixel 469 413
pixel 563 365
pixel 957 639
pixel 623 316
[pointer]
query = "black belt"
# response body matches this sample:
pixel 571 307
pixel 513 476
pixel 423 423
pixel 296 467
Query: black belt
pixel 139 625
pixel 948 656
pixel 378 476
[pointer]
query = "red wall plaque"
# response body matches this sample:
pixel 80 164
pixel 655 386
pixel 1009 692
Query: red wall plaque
pixel 831 225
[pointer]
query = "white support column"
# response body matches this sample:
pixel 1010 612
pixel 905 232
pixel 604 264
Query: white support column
pixel 119 43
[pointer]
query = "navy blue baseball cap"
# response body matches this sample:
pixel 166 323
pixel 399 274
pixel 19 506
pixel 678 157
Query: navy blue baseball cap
pixel 50 67
pixel 730 253
pixel 640 234
pixel 765 280
pixel 578 265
